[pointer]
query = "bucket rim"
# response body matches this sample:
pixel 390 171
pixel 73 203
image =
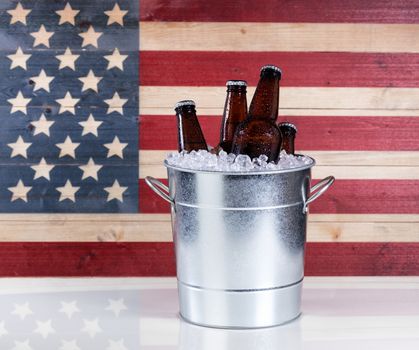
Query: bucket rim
pixel 241 173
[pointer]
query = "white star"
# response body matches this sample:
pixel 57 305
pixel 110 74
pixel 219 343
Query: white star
pixel 67 103
pixel 116 306
pixel 19 103
pixel 90 126
pixel 67 14
pixel 69 345
pixel 90 81
pixel 91 327
pixel 115 148
pixel 42 81
pixel 116 60
pixel 18 14
pixel 19 147
pixel 22 310
pixel 90 37
pixel 22 345
pixel 19 59
pixel 116 345
pixel 115 104
pixel 69 308
pixel 68 191
pixel 68 148
pixel 20 191
pixel 44 328
pixel 67 59
pixel 42 37
pixel 115 191
pixel 90 169
pixel 42 169
pixel 3 330
pixel 42 125
pixel 116 15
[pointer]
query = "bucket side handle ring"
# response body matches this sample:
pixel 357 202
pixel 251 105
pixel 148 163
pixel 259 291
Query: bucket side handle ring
pixel 159 188
pixel 318 189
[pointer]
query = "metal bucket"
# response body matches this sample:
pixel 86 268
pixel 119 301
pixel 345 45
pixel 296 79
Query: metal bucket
pixel 239 242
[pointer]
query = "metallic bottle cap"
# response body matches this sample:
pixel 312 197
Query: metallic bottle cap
pixel 184 103
pixel 288 125
pixel 270 66
pixel 236 83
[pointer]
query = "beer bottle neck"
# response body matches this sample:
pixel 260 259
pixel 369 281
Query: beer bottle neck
pixel 265 101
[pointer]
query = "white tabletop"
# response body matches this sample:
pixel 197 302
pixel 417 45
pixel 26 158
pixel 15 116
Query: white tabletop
pixel 142 313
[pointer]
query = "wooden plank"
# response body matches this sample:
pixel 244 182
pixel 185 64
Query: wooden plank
pixel 212 99
pixel 383 11
pixel 246 36
pixel 344 197
pixel 314 133
pixel 55 259
pixel 320 69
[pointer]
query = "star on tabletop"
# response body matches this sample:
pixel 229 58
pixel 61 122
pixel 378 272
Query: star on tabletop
pixel 19 103
pixel 115 148
pixel 22 310
pixel 90 169
pixel 42 81
pixel 116 15
pixel 19 59
pixel 90 37
pixel 44 328
pixel 116 345
pixel 22 345
pixel 116 60
pixel 68 191
pixel 68 148
pixel 116 306
pixel 18 14
pixel 67 15
pixel 116 191
pixel 19 147
pixel 90 126
pixel 42 169
pixel 69 308
pixel 91 327
pixel 42 37
pixel 69 345
pixel 42 125
pixel 115 104
pixel 67 103
pixel 67 59
pixel 20 191
pixel 90 81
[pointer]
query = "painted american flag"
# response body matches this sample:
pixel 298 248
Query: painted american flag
pixel 350 84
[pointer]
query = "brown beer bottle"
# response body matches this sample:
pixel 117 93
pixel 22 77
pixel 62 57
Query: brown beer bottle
pixel 258 133
pixel 190 136
pixel 288 131
pixel 235 111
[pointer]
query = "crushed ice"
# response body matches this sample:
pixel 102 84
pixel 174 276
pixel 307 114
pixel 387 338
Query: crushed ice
pixel 204 160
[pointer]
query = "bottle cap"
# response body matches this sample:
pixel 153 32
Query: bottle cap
pixel 184 103
pixel 236 83
pixel 288 125
pixel 271 67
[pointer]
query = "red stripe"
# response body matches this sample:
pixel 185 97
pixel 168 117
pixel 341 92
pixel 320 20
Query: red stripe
pixel 344 197
pixel 384 11
pixel 186 68
pixel 314 133
pixel 157 259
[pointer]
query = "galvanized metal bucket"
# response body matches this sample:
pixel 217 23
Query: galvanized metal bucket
pixel 239 242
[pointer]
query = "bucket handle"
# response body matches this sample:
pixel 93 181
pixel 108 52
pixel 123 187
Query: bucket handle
pixel 159 188
pixel 318 189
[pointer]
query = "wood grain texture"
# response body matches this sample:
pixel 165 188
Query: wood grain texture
pixel 314 133
pixel 245 36
pixel 320 69
pixel 383 11
pixel 21 259
pixel 344 197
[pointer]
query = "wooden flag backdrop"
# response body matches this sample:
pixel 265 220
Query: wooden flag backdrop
pixel 350 83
